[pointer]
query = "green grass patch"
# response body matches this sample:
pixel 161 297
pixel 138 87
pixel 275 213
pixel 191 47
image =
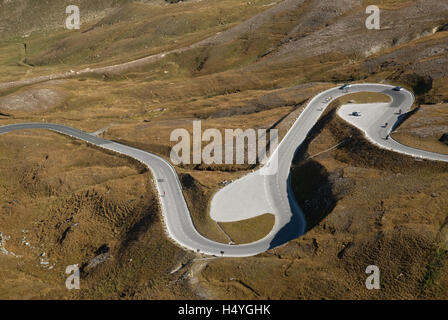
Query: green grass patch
pixel 249 230
pixel 434 268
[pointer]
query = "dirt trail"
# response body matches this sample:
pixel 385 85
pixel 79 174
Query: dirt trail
pixel 218 38
pixel 312 36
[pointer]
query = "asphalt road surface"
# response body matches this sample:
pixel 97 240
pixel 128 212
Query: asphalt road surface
pixel 262 193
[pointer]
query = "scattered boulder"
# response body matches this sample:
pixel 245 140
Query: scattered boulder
pixel 98 260
pixel 103 255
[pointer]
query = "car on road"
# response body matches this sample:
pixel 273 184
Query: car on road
pixel 397 88
pixel 356 114
pixel 345 86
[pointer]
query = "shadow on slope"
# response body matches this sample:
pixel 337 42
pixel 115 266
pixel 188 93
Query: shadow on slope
pixel 310 189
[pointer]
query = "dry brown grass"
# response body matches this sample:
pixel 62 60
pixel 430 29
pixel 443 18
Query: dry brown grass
pixel 250 230
pixel 388 220
pixel 424 129
pixel 380 208
pixel 107 36
pixel 61 201
pixel 389 4
pixel 364 97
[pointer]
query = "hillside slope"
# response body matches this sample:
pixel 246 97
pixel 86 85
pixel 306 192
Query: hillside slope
pixel 150 67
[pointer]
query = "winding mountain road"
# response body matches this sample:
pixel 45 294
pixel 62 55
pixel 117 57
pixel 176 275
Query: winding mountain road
pixel 254 194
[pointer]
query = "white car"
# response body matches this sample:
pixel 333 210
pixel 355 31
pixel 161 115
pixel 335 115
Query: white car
pixel 397 89
pixel 345 86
